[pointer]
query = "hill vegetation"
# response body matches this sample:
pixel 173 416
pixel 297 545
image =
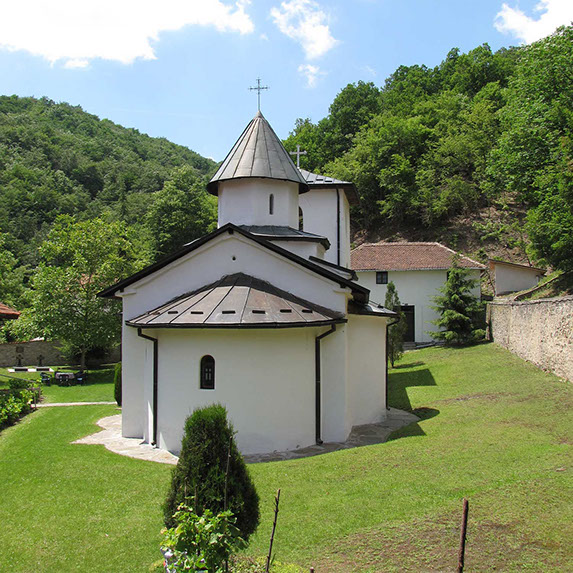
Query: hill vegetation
pixel 56 159
pixel 476 152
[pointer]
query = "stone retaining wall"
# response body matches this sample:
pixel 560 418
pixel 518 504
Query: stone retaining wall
pixel 540 331
pixel 41 353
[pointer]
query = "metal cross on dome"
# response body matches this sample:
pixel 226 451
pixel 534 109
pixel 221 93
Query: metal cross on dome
pixel 258 88
pixel 298 153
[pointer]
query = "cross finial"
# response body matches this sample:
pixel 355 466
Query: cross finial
pixel 258 89
pixel 298 153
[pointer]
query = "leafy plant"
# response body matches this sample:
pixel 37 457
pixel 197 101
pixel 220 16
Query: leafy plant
pixel 212 471
pixel 200 542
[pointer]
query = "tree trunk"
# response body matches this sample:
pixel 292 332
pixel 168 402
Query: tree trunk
pixel 83 359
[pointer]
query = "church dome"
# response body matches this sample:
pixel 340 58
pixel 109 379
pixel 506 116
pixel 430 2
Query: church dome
pixel 258 153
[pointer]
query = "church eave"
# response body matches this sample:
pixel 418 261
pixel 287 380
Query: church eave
pixel 360 293
pixel 242 326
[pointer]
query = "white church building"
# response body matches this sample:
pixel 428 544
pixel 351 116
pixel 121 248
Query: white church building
pixel 262 316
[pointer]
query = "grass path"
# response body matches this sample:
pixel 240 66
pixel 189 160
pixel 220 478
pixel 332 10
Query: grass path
pixel 495 430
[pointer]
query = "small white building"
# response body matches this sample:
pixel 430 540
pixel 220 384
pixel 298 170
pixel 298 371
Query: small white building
pixel 260 315
pixel 418 270
pixel 512 277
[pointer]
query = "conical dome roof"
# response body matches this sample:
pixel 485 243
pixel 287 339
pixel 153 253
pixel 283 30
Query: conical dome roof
pixel 258 153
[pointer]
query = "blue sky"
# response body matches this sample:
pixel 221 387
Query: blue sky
pixel 181 69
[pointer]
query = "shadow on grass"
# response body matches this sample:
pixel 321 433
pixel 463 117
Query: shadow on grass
pixel 408 365
pixel 399 382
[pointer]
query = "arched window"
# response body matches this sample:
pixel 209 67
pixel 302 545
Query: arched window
pixel 271 204
pixel 207 373
pixel 300 219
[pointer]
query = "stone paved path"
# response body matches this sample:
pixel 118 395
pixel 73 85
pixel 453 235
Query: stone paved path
pixel 366 435
pixel 49 405
pixel 112 439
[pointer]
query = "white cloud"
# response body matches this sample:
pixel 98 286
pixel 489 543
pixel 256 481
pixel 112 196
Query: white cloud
pixel 305 22
pixel 311 73
pixel 77 31
pixel 369 70
pixel 552 14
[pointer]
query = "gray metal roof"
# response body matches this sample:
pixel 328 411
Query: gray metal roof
pixel 316 181
pixel 283 233
pixel 237 301
pixel 258 153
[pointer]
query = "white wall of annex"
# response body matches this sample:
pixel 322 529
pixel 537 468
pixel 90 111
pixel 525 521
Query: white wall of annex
pixel 512 279
pixel 265 378
pixel 366 387
pixel 246 202
pixel 335 424
pixel 304 249
pixel 319 208
pixel 415 288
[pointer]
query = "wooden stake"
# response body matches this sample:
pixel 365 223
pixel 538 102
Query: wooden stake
pixel 461 555
pixel 227 473
pixel 277 497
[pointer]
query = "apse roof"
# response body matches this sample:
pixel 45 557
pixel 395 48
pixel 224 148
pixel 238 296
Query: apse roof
pixel 257 153
pixel 237 301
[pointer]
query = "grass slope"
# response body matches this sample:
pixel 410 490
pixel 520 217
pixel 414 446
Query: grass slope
pixel 494 429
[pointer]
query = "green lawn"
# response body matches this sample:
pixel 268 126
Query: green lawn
pixel 97 388
pixel 495 430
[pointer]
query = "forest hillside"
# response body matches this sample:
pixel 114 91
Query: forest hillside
pixel 476 153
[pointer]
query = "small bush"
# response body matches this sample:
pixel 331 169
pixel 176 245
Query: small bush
pixel 200 472
pixel 13 406
pixel 200 543
pixel 18 384
pixel 117 383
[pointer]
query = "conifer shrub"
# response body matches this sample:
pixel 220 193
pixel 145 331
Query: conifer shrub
pixel 117 383
pixel 199 477
pixel 460 311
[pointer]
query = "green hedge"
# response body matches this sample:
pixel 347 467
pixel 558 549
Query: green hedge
pixel 14 405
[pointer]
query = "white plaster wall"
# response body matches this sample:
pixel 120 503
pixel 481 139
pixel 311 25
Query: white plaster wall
pixel 366 387
pixel 416 288
pixel 265 378
pixel 214 260
pixel 334 371
pixel 246 202
pixel 512 279
pixel 304 249
pixel 319 207
pixel 134 368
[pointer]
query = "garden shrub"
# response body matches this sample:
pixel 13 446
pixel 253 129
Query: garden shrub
pixel 200 542
pixel 117 383
pixel 13 406
pixel 200 472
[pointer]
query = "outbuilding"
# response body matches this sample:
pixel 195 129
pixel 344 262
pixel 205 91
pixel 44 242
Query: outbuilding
pixel 418 270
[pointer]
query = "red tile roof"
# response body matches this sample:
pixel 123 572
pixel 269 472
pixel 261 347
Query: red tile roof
pixel 7 312
pixel 406 257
